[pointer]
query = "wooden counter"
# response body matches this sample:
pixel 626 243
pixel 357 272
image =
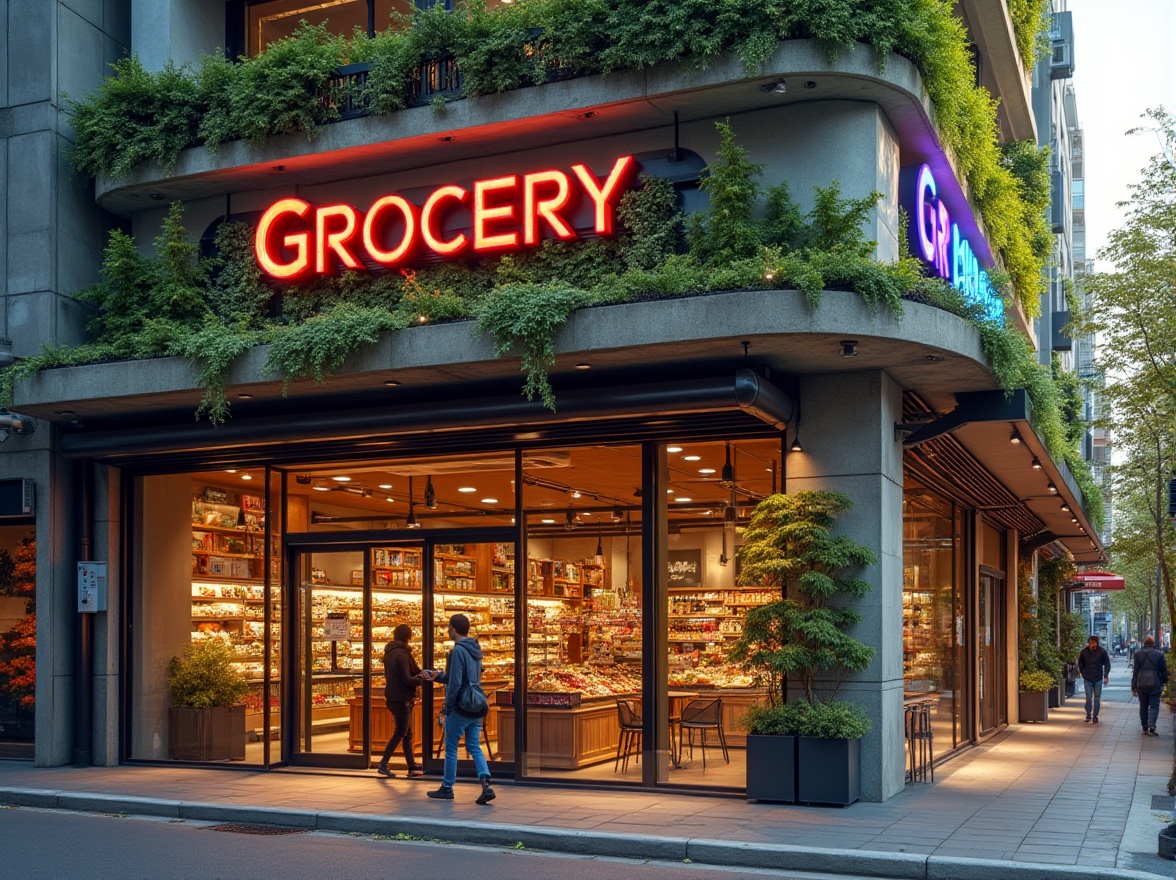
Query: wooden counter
pixel 382 726
pixel 567 738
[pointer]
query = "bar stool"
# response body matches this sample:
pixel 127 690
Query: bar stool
pixel 704 715
pixel 921 741
pixel 629 741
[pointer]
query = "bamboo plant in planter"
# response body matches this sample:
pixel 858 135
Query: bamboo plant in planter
pixel 206 720
pixel 807 749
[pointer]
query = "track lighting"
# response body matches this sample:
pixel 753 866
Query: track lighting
pixel 727 476
pixel 430 495
pixel 617 514
pixel 1036 463
pixel 569 520
pixel 1015 438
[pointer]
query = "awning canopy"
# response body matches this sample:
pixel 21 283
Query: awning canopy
pixel 1098 581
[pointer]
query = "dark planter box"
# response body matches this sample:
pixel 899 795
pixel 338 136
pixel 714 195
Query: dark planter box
pixel 1055 698
pixel 829 771
pixel 1069 688
pixel 1167 844
pixel 1033 706
pixel 213 734
pixel 771 768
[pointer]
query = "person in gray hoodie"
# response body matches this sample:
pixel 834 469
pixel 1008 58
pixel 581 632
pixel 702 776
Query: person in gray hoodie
pixel 464 665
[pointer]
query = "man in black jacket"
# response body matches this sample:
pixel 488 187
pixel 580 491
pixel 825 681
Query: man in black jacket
pixel 402 677
pixel 1095 666
pixel 1147 681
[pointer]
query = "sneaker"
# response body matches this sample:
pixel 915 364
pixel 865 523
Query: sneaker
pixel 1095 719
pixel 487 794
pixel 1087 719
pixel 1143 732
pixel 443 794
pixel 415 772
pixel 1152 731
pixel 384 771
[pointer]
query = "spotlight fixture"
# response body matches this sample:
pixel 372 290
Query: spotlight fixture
pixel 569 520
pixel 576 493
pixel 617 514
pixel 1065 507
pixel 599 548
pixel 1036 463
pixel 430 494
pixel 320 486
pixel 1015 438
pixel 848 348
pixel 302 479
pixel 1074 519
pixel 727 476
pixel 796 447
pixel 411 522
pixel 779 87
pixel 1052 488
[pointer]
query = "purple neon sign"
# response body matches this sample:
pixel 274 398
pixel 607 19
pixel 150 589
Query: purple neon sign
pixel 946 251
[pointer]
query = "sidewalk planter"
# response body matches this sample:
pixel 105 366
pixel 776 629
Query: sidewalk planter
pixel 216 733
pixel 771 768
pixel 829 771
pixel 1033 706
pixel 1167 843
pixel 1069 688
pixel 1055 698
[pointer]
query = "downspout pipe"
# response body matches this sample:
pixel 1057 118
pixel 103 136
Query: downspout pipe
pixel 83 745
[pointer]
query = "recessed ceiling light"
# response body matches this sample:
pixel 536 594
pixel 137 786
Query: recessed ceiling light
pixel 385 485
pixel 489 500
pixel 547 521
pixel 390 500
pixel 466 489
pixel 706 471
pixel 245 397
pixel 669 491
pixel 673 449
pixel 246 476
pixel 691 458
pixel 321 487
pixel 682 498
pixel 230 470
pixel 583 366
pixel 392 383
pixel 341 479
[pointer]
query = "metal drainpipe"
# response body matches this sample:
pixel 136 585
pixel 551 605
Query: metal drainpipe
pixel 83 749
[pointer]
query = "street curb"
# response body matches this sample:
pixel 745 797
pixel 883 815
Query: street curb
pixel 863 863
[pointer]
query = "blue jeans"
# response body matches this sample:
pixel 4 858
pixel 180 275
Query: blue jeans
pixel 1149 708
pixel 457 726
pixel 1093 693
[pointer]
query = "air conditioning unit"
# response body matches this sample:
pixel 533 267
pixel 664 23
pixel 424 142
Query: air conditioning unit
pixel 1061 44
pixel 1057 202
pixel 1057 323
pixel 17 499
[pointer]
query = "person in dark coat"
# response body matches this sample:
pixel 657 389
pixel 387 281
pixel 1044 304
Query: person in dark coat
pixel 402 677
pixel 1147 681
pixel 1095 667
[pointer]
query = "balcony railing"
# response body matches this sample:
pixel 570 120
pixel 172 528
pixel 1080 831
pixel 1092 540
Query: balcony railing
pixel 437 77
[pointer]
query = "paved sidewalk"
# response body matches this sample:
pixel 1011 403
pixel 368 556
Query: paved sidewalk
pixel 1059 800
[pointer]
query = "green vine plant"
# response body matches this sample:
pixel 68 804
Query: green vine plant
pixel 138 115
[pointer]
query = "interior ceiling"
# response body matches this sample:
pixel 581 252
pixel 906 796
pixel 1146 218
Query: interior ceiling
pixel 599 485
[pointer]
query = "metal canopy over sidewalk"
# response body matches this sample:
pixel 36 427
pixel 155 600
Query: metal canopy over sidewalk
pixel 1057 800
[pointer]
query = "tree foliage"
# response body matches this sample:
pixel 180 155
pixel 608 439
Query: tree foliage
pixel 804 636
pixel 1134 314
pixel 18 645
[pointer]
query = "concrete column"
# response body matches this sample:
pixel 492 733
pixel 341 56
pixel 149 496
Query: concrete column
pixel 107 633
pixel 847 430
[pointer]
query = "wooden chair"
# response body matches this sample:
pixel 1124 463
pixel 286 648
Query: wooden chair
pixel 703 715
pixel 629 742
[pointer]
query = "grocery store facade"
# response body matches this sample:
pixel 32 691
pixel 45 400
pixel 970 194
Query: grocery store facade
pixel 593 545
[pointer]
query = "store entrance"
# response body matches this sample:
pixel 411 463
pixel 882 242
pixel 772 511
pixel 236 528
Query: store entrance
pixel 348 600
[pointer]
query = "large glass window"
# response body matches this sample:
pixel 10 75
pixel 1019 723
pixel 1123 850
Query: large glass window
pixel 934 627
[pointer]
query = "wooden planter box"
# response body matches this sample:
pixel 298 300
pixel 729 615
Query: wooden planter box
pixel 771 768
pixel 214 734
pixel 829 771
pixel 1033 707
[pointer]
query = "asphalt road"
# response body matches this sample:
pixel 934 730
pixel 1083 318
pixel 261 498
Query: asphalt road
pixel 51 845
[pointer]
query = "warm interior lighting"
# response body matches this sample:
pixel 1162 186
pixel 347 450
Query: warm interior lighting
pixel 1015 438
pixel 1052 488
pixel 1036 463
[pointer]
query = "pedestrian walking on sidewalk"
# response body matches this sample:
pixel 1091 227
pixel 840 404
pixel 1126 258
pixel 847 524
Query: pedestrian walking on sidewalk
pixel 1095 666
pixel 402 677
pixel 1147 680
pixel 464 708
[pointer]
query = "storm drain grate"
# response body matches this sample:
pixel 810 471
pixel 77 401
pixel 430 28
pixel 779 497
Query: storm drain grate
pixel 1162 802
pixel 257 829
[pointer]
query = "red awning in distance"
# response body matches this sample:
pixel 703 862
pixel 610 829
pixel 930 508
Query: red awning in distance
pixel 1098 581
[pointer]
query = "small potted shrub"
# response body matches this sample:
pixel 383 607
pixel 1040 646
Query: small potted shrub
pixel 1167 842
pixel 1033 700
pixel 807 749
pixel 206 720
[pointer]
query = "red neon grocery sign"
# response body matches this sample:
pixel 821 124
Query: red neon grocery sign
pixel 295 239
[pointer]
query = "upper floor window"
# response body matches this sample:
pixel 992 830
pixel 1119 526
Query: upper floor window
pixel 270 20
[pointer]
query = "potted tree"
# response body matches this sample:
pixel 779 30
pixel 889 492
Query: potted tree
pixel 206 720
pixel 1033 699
pixel 806 749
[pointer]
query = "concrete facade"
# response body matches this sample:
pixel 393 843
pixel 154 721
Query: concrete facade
pixel 866 127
